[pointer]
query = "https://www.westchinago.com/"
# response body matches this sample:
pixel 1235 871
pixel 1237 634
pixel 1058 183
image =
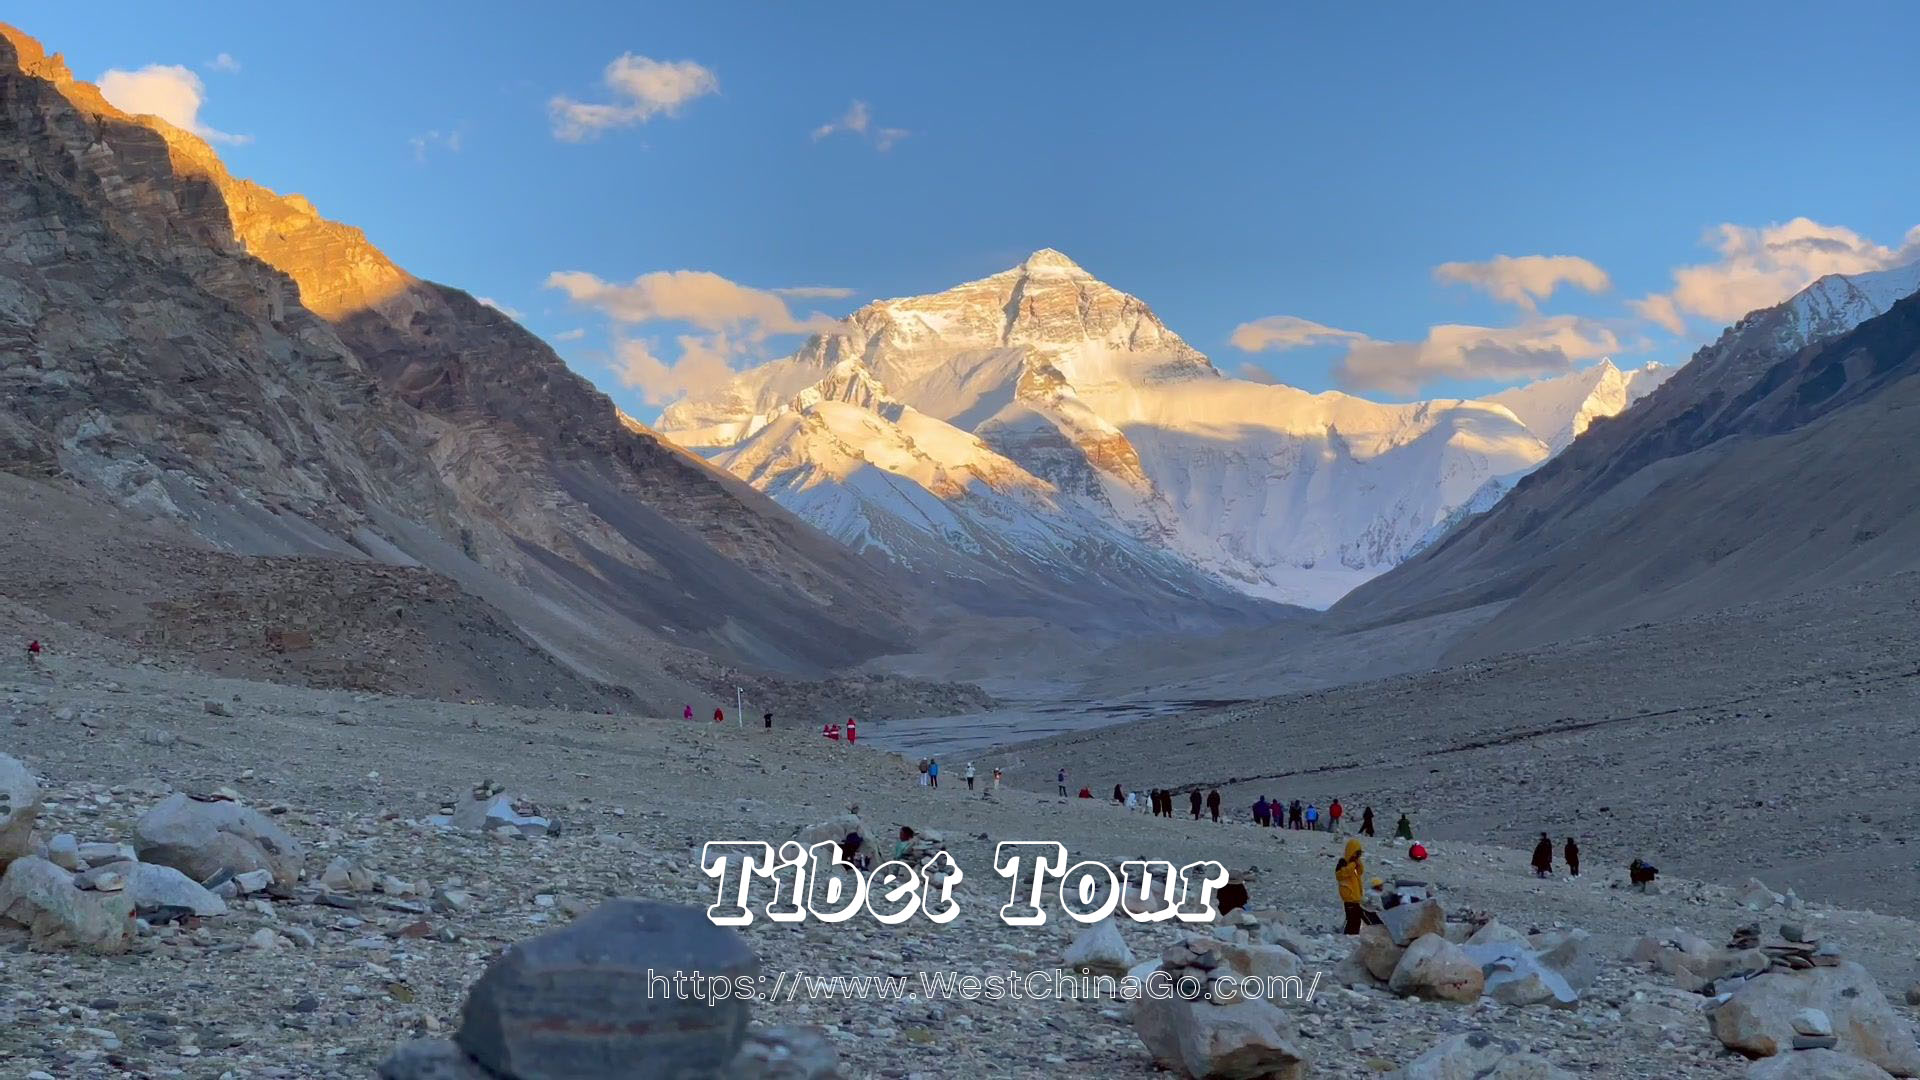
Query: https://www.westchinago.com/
pixel 1041 985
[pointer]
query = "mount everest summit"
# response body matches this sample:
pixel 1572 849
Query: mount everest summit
pixel 1038 438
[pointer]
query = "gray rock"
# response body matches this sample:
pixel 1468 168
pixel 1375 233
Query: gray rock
pixel 63 851
pixel 43 898
pixel 1816 1065
pixel 577 1004
pixel 832 830
pixel 1515 976
pixel 95 854
pixel 1259 961
pixel 155 888
pixel 1573 954
pixel 431 1059
pixel 1436 969
pixel 109 878
pixel 496 812
pixel 785 1053
pixel 1376 952
pixel 1758 1019
pixel 1811 1022
pixel 1479 1056
pixel 343 875
pixel 203 839
pixel 1100 949
pixel 252 881
pixel 1240 1041
pixel 1498 933
pixel 19 808
pixel 1408 922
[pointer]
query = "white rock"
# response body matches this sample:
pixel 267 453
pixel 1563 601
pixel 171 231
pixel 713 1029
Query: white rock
pixel 1100 949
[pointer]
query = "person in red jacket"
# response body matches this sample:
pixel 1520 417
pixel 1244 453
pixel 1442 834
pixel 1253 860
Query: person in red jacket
pixel 719 716
pixel 851 735
pixel 1333 816
pixel 33 650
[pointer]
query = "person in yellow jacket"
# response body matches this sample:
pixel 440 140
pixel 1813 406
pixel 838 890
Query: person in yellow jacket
pixel 1350 873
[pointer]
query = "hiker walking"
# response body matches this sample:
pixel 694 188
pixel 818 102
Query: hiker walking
pixel 969 776
pixel 1119 794
pixel 996 778
pixel 933 773
pixel 1573 857
pixel 719 715
pixel 1294 815
pixel 1313 818
pixel 1366 822
pixel 687 713
pixel 33 651
pixel 1193 800
pixel 1333 816
pixel 1062 778
pixel 1403 830
pixel 1213 803
pixel 767 719
pixel 1261 810
pixel 852 736
pixel 1349 873
pixel 1543 856
pixel 1133 801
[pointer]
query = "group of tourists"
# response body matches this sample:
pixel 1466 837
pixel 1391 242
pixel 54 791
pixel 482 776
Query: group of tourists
pixel 930 774
pixel 828 730
pixel 1272 813
pixel 1162 800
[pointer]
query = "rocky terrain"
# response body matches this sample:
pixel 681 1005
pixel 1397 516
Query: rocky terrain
pixel 1774 739
pixel 394 916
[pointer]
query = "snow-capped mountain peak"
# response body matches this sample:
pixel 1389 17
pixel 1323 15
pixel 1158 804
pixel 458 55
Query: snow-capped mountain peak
pixel 1559 409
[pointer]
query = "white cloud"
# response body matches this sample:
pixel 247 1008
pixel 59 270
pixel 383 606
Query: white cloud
pixel 503 309
pixel 858 120
pixel 1281 332
pixel 224 63
pixel 736 321
pixel 642 89
pixel 574 334
pixel 169 91
pixel 1761 266
pixel 434 140
pixel 813 292
pixel 1527 279
pixel 705 364
pixel 700 297
pixel 1548 345
pixel 1253 372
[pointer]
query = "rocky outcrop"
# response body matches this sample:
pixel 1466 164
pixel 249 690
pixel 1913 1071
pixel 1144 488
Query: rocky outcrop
pixel 42 897
pixel 205 837
pixel 1759 1018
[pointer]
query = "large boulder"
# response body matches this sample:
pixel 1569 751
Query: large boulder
pixel 1258 961
pixel 1495 932
pixel 162 889
pixel 1249 1039
pixel 1515 976
pixel 1376 952
pixel 19 807
pixel 1408 923
pixel 1436 969
pixel 584 1002
pixel 1479 1056
pixel 1758 1019
pixel 43 898
pixel 1816 1065
pixel 202 837
pixel 1572 954
pixel 431 1059
pixel 1100 949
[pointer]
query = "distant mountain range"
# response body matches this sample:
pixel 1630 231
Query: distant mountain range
pixel 1783 457
pixel 1039 438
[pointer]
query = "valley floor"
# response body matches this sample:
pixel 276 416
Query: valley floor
pixel 358 773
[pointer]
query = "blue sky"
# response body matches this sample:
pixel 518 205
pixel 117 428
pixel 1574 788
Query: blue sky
pixel 1228 163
